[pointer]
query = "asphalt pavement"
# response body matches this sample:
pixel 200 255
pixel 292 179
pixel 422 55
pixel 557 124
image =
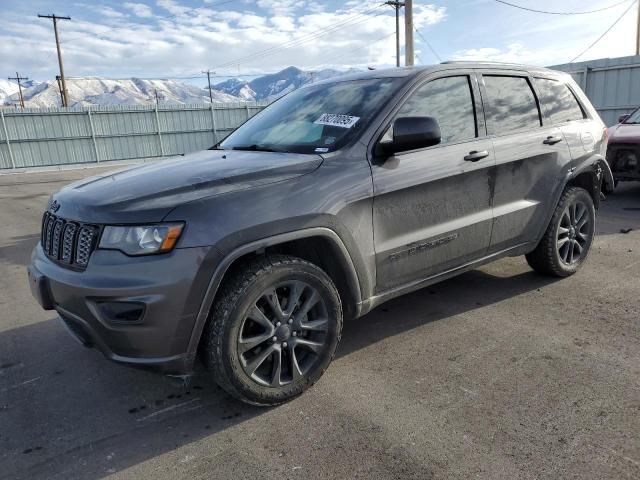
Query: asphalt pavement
pixel 499 373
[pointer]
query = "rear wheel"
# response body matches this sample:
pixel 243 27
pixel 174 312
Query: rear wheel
pixel 274 330
pixel 567 240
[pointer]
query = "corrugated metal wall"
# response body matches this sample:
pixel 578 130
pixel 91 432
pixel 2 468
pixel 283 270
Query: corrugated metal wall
pixel 612 84
pixel 36 137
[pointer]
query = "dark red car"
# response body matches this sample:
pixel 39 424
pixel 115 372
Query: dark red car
pixel 623 151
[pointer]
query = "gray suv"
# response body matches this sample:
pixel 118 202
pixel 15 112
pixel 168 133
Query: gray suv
pixel 334 199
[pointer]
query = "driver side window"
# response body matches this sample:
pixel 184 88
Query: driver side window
pixel 448 100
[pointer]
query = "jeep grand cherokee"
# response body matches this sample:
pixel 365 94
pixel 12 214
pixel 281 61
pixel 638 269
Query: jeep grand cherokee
pixel 334 199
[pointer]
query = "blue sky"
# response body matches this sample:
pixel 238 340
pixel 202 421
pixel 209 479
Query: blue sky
pixel 180 38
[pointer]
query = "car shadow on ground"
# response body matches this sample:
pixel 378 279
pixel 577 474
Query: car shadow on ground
pixel 18 250
pixel 67 412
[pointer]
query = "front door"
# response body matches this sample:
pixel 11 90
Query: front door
pixel 432 207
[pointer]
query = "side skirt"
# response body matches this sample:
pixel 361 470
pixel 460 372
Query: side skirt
pixel 377 300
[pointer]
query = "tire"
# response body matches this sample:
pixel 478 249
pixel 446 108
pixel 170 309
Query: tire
pixel 248 328
pixel 567 241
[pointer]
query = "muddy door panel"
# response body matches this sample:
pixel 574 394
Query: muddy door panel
pixel 528 172
pixel 432 211
pixel 531 159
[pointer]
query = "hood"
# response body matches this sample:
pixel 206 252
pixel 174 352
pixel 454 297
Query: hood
pixel 625 133
pixel 147 193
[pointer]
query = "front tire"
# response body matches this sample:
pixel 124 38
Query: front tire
pixel 274 330
pixel 567 240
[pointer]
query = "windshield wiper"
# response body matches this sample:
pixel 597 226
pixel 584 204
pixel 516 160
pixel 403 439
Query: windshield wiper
pixel 256 148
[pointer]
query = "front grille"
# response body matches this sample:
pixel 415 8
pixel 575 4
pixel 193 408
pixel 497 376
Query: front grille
pixel 70 243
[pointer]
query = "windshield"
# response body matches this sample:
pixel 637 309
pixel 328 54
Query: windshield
pixel 634 117
pixel 316 119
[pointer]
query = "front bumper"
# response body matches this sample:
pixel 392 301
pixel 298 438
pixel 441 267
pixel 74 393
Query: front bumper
pixel 624 160
pixel 164 291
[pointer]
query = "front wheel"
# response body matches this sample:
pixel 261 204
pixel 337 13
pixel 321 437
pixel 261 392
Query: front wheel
pixel 274 329
pixel 567 240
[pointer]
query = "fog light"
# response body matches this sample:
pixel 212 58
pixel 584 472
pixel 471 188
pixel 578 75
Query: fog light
pixel 121 312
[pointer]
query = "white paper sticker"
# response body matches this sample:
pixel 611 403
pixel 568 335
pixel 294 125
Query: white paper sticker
pixel 337 120
pixel 321 150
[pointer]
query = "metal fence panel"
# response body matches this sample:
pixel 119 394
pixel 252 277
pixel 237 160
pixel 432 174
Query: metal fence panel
pixel 36 137
pixel 5 161
pixel 612 84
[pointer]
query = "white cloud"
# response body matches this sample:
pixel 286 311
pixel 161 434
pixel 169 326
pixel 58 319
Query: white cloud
pixel 110 12
pixel 424 15
pixel 285 24
pixel 281 7
pixel 139 9
pixel 182 40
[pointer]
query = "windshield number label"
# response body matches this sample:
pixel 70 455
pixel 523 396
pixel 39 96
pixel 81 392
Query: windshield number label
pixel 337 120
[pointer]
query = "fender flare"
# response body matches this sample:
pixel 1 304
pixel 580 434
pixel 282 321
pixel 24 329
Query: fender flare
pixel 608 181
pixel 589 166
pixel 222 267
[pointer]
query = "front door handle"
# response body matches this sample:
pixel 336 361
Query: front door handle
pixel 476 155
pixel 552 140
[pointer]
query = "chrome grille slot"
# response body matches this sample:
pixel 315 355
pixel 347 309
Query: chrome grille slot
pixel 56 238
pixel 67 242
pixel 47 234
pixel 84 245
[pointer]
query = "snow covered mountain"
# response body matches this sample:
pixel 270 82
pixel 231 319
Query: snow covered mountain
pixel 134 91
pixel 274 85
pixel 7 89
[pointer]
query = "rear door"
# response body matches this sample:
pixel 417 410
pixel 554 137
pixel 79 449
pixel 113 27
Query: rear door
pixel 530 158
pixel 432 208
pixel 561 108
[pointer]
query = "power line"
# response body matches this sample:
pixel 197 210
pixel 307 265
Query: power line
pixel 428 45
pixel 351 21
pixel 607 31
pixel 560 13
pixel 339 58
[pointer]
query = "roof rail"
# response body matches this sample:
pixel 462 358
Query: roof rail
pixel 490 62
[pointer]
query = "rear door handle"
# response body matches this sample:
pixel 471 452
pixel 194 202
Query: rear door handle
pixel 476 155
pixel 552 140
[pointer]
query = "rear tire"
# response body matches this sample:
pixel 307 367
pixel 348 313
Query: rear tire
pixel 567 241
pixel 274 330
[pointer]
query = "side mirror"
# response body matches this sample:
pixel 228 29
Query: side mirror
pixel 411 133
pixel 622 118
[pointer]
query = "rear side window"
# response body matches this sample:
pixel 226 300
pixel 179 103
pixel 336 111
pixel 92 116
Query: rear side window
pixel 511 104
pixel 558 102
pixel 448 100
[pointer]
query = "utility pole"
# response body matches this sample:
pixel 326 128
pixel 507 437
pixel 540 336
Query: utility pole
pixel 408 33
pixel 638 32
pixel 396 5
pixel 18 79
pixel 59 80
pixel 65 92
pixel 208 72
pixel 157 96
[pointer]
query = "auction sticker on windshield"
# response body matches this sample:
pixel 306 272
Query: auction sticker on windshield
pixel 337 120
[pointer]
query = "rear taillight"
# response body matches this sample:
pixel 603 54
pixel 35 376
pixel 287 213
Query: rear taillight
pixel 605 134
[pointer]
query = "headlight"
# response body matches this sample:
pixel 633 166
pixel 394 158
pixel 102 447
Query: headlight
pixel 141 240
